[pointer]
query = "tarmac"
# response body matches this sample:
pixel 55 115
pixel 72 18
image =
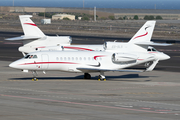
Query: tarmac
pixel 67 96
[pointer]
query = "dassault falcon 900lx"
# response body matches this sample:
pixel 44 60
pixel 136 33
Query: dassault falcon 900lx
pixel 35 40
pixel 115 56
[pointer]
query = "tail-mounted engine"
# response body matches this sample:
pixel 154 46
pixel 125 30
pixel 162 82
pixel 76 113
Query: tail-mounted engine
pixel 124 58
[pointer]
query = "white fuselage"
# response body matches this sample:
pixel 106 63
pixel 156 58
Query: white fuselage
pixel 70 61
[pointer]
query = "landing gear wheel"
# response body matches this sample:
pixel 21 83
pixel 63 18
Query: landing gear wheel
pixel 101 77
pixel 87 76
pixel 34 79
pixel 34 76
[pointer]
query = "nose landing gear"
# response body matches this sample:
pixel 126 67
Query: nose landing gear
pixel 34 76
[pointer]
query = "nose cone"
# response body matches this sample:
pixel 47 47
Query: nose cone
pixel 167 57
pixel 163 56
pixel 13 65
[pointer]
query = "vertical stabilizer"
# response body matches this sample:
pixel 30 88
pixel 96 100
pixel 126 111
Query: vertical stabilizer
pixel 145 33
pixel 29 27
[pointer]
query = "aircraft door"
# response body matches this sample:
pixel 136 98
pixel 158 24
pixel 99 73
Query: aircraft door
pixel 45 61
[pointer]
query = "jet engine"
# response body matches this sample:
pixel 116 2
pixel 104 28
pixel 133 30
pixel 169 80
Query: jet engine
pixel 114 45
pixel 123 58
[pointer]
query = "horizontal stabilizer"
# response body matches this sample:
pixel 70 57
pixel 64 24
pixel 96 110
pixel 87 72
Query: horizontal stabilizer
pixel 98 70
pixel 152 43
pixel 23 38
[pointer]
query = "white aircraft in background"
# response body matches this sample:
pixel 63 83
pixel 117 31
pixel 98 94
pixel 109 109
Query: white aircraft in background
pixel 35 40
pixel 115 56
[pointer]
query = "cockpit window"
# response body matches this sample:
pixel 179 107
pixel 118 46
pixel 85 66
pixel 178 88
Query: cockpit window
pixel 149 50
pixel 30 56
pixel 35 56
pixel 153 49
pixel 27 56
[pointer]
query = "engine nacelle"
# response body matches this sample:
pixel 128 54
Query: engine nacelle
pixel 114 45
pixel 124 58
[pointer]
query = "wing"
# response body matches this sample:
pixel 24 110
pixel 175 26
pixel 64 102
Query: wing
pixel 152 43
pixel 24 38
pixel 105 70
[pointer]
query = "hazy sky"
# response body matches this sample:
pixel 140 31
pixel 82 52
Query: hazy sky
pixel 133 4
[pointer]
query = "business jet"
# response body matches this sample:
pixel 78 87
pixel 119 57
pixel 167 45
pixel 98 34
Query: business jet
pixel 87 61
pixel 35 40
pixel 115 56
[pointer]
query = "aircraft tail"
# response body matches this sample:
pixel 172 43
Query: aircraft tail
pixel 29 27
pixel 144 34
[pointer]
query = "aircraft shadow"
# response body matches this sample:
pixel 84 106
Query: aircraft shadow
pixel 128 77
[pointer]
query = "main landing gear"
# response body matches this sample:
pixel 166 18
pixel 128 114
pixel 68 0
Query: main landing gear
pixel 100 77
pixel 34 76
pixel 87 76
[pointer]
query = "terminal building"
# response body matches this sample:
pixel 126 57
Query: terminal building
pixel 62 16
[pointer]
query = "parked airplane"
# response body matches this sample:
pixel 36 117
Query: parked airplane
pixel 87 61
pixel 35 40
pixel 115 56
pixel 112 56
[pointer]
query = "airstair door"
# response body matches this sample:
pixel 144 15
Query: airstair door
pixel 45 62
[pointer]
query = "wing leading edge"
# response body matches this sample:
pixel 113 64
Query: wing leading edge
pixel 105 70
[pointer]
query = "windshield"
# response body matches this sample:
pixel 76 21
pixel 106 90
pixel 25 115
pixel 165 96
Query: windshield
pixel 151 49
pixel 30 57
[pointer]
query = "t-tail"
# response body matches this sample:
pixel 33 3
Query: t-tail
pixel 34 38
pixel 144 35
pixel 29 27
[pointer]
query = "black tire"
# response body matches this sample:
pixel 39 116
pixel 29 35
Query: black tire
pixel 87 76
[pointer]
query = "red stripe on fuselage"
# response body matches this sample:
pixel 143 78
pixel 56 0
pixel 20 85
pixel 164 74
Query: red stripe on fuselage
pixel 78 48
pixel 141 36
pixel 99 56
pixel 48 63
pixel 152 52
pixel 30 24
pixel 41 47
